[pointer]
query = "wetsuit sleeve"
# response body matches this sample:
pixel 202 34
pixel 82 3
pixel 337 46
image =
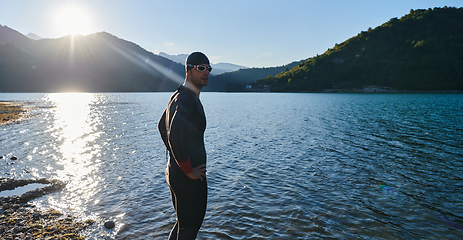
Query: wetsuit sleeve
pixel 179 130
pixel 163 129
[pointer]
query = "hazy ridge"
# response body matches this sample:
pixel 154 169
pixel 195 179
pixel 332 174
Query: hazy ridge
pixel 421 51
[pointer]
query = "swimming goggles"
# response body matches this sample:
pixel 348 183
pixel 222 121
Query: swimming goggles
pixel 201 68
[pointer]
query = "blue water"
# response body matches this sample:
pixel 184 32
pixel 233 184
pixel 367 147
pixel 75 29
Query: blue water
pixel 280 165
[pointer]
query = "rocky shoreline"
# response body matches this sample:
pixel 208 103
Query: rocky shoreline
pixel 21 220
pixel 10 112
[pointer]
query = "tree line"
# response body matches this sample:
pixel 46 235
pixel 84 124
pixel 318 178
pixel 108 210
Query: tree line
pixel 422 51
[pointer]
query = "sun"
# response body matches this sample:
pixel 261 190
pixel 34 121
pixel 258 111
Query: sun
pixel 72 19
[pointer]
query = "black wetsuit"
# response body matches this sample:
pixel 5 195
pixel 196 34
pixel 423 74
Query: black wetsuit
pixel 182 127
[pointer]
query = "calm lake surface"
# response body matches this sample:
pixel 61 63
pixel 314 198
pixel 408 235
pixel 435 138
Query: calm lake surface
pixel 280 165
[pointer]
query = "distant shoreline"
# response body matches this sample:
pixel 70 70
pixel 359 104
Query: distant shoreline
pixel 356 91
pixel 391 91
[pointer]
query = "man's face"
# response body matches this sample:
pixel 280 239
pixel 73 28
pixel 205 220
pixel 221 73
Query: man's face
pixel 197 78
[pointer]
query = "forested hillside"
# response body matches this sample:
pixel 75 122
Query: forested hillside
pixel 422 51
pixel 236 81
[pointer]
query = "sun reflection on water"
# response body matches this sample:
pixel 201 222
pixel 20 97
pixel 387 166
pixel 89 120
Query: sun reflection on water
pixel 75 129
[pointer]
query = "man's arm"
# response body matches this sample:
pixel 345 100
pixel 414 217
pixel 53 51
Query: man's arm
pixel 163 129
pixel 177 143
pixel 179 152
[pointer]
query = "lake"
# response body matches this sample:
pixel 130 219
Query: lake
pixel 280 165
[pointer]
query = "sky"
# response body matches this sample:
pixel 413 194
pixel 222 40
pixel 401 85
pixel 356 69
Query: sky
pixel 251 33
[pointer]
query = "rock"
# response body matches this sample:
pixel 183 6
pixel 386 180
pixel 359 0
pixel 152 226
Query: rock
pixel 5 199
pixel 14 158
pixel 33 224
pixel 44 181
pixel 20 220
pixel 27 195
pixel 89 221
pixel 109 224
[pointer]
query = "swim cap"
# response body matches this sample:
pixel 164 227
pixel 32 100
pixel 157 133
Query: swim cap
pixel 196 58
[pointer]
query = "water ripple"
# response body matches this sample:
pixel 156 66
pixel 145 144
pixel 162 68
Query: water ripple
pixel 280 166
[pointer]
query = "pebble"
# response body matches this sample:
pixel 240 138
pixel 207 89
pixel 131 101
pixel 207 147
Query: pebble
pixel 109 224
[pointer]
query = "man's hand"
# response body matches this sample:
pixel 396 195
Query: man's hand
pixel 198 172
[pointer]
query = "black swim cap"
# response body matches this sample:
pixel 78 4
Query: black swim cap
pixel 196 58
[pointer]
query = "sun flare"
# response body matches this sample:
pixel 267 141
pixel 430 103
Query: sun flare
pixel 72 19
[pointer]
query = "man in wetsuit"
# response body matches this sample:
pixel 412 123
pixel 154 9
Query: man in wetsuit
pixel 182 128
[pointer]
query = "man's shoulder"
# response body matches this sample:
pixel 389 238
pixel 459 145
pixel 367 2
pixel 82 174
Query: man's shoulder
pixel 186 94
pixel 184 100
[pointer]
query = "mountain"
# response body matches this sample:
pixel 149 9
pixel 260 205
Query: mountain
pixel 237 80
pixel 218 68
pixel 8 35
pixel 99 62
pixel 422 51
pixel 180 58
pixel 33 36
